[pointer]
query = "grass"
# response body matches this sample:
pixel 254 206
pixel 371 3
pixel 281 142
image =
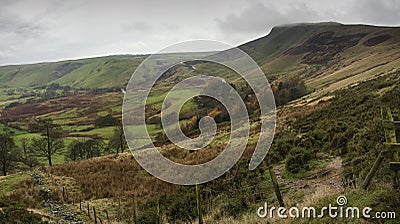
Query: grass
pixel 12 130
pixel 28 136
pixel 106 132
pixel 151 129
pixel 314 166
pixel 10 182
pixel 105 173
pixel 93 72
pixel 56 159
pixel 76 128
pixel 380 199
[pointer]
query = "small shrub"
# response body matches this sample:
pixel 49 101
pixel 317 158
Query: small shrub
pixel 233 207
pixel 181 207
pixel 148 216
pixel 106 121
pixel 297 159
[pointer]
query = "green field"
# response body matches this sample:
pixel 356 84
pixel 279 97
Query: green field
pixel 11 182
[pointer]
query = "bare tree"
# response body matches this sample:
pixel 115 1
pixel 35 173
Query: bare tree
pixel 50 143
pixel 7 152
pixel 28 158
pixel 118 140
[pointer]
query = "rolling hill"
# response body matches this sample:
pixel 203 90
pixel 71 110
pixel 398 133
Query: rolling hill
pixel 325 142
pixel 326 56
pixel 100 72
pixel 322 53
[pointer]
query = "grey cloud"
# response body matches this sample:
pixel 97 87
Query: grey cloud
pixel 259 18
pixel 47 30
pixel 12 24
pixel 138 26
pixel 20 29
pixel 378 12
pixel 15 34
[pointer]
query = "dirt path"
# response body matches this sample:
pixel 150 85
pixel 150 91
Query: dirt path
pixel 331 177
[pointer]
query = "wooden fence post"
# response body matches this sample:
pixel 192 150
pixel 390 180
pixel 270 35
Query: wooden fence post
pixel 374 168
pixel 108 218
pixel 66 196
pixel 63 193
pixel 88 210
pixel 390 136
pixel 94 215
pixel 395 167
pixel 276 187
pixel 119 209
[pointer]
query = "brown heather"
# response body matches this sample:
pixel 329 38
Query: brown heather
pixel 26 194
pixel 112 176
pixel 120 176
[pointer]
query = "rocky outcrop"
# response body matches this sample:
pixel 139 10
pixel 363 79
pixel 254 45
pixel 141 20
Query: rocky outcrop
pixel 55 209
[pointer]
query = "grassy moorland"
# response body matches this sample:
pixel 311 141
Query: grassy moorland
pixel 329 81
pixel 355 132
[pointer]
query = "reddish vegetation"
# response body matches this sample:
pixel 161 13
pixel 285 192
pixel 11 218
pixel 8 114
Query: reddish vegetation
pixel 376 40
pixel 25 193
pixel 112 176
pixel 31 110
pixel 121 176
pixel 322 47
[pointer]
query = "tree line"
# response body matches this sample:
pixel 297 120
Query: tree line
pixel 51 142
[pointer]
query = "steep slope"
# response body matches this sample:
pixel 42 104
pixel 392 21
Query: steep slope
pixel 327 56
pixel 281 38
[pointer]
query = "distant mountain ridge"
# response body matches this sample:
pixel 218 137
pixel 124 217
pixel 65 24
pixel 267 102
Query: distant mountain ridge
pixel 306 49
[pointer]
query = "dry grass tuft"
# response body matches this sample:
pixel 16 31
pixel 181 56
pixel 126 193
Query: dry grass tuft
pixel 111 176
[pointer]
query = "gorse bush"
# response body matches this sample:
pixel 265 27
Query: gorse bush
pixel 181 207
pixel 298 159
pixel 348 125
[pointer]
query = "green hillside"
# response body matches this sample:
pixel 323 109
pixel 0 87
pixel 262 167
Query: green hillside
pixel 327 52
pixel 102 72
pixel 340 49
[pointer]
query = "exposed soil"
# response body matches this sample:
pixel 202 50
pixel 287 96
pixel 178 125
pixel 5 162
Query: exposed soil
pixel 331 177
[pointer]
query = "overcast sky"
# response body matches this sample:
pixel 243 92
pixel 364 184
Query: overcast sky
pixel 50 30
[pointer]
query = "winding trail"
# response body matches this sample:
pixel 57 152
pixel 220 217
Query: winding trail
pixel 331 177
